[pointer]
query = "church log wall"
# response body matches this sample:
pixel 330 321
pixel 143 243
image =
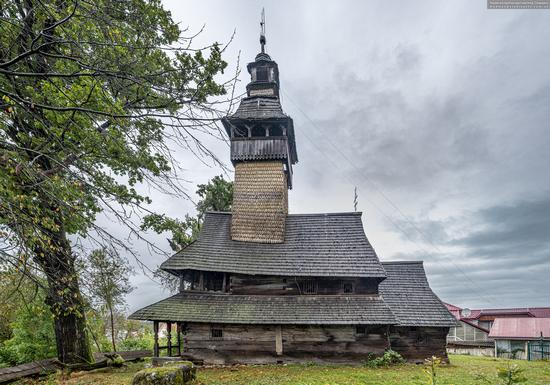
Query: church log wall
pixel 257 343
pixel 419 343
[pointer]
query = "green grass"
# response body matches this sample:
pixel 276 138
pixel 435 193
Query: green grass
pixel 462 371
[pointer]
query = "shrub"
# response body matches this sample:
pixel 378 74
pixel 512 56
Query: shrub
pixel 389 358
pixel 512 374
pixel 143 342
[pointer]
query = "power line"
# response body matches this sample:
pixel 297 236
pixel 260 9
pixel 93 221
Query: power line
pixel 386 198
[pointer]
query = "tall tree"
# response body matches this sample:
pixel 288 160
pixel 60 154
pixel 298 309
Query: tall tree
pixel 94 98
pixel 106 279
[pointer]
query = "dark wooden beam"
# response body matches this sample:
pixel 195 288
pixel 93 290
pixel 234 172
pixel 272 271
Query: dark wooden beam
pixel 178 330
pixel 156 343
pixel 169 337
pixel 201 281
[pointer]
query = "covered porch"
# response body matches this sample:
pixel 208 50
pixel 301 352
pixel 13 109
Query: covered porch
pixel 174 344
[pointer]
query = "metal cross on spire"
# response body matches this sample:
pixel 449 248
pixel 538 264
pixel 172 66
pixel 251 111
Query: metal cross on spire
pixel 262 31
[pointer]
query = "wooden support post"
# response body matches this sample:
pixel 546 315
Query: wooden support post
pixel 278 340
pixel 156 343
pixel 224 283
pixel 178 330
pixel 388 337
pixel 201 281
pixel 169 337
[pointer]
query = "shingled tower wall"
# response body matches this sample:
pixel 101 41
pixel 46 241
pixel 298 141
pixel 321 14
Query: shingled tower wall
pixel 260 202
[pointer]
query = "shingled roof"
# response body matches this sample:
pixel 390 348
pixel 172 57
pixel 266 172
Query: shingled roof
pixel 260 309
pixel 259 107
pixel 407 291
pixel 320 245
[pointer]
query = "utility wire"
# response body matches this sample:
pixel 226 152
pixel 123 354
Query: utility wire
pixel 385 197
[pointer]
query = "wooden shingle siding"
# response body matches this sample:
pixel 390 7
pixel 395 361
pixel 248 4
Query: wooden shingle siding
pixel 263 309
pixel 407 292
pixel 260 202
pixel 260 108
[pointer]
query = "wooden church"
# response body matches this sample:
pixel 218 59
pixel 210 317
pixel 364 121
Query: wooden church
pixel 260 285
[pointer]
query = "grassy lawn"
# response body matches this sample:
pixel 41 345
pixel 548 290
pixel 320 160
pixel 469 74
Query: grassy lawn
pixel 462 371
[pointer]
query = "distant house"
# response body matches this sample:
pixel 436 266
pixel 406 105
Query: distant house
pixel 521 338
pixel 472 335
pixel 467 337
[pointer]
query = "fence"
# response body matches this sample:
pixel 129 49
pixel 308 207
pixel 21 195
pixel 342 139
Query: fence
pixel 538 350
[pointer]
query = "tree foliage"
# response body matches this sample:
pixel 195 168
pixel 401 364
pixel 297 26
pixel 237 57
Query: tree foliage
pixel 216 195
pixel 94 97
pixel 26 321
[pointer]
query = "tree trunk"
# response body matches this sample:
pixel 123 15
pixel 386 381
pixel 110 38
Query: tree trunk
pixel 65 301
pixel 72 343
pixel 96 342
pixel 112 328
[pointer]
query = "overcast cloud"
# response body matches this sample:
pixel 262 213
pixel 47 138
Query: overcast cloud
pixel 437 111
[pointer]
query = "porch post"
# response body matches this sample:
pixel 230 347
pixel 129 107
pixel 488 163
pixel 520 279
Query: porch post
pixel 178 330
pixel 156 344
pixel 169 337
pixel 278 340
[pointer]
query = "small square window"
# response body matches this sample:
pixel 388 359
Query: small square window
pixel 261 74
pixel 216 333
pixel 361 330
pixel 348 287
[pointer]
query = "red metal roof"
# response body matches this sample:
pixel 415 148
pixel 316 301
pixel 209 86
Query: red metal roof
pixel 455 310
pixel 537 312
pixel 520 328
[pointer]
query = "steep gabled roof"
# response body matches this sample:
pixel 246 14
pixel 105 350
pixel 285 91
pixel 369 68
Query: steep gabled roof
pixel 407 291
pixel 262 309
pixel 323 245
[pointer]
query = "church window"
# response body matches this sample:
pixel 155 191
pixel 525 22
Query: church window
pixel 261 74
pixel 258 131
pixel 276 131
pixel 216 333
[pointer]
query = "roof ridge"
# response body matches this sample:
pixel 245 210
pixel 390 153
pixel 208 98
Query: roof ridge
pixel 342 213
pixel 402 262
pixel 264 296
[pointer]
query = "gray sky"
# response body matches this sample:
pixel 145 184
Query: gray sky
pixel 438 111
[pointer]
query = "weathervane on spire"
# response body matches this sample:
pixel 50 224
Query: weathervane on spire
pixel 262 31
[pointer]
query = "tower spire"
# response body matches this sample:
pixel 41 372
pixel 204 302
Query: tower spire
pixel 262 31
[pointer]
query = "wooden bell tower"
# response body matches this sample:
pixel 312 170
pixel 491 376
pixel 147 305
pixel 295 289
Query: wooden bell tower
pixel 263 151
